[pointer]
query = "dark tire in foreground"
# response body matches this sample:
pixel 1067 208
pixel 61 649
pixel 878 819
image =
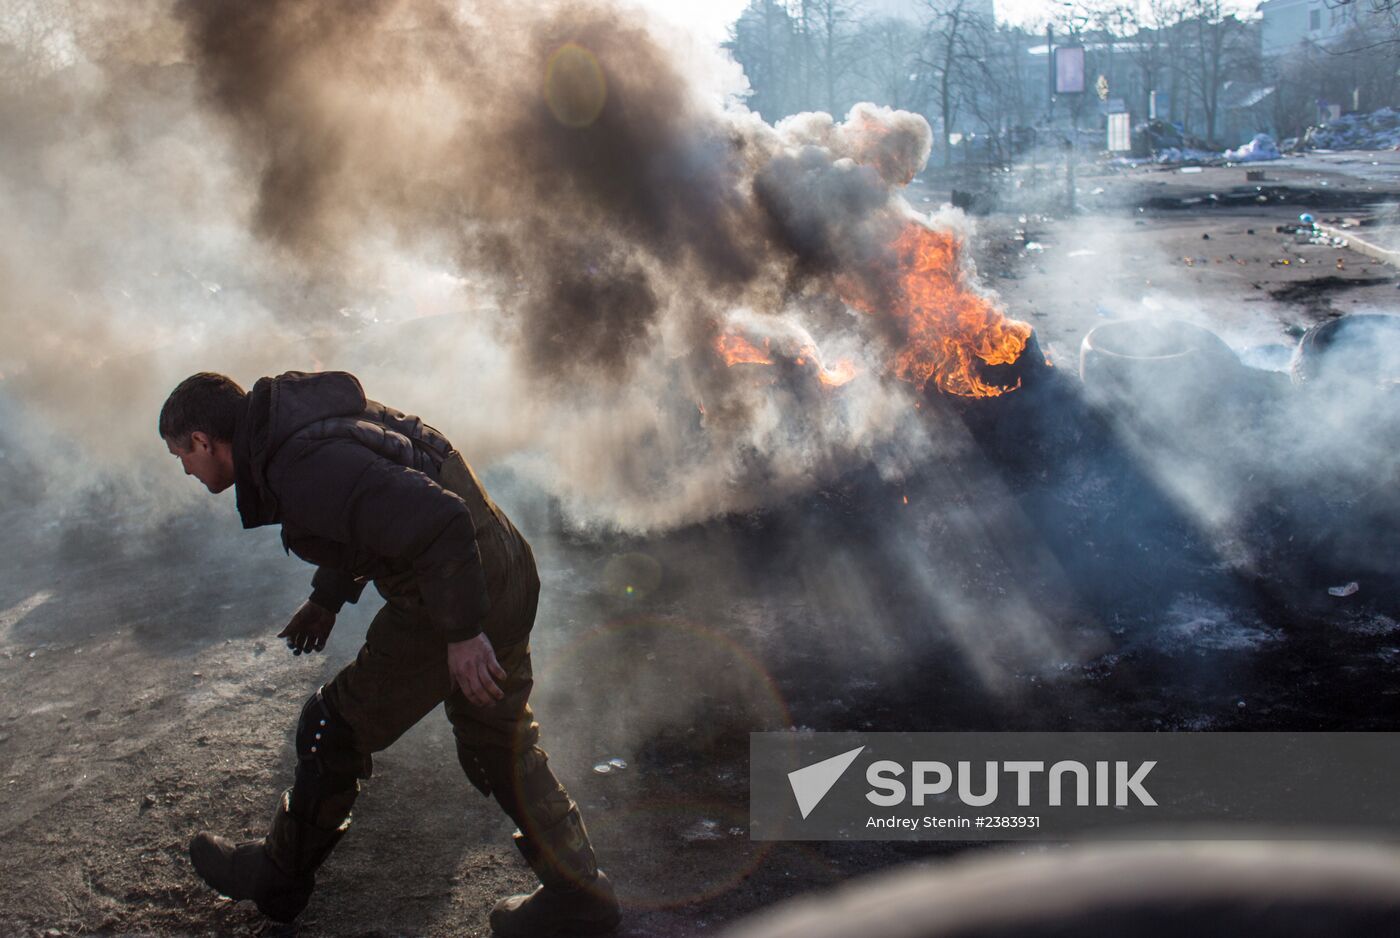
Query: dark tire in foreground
pixel 1282 890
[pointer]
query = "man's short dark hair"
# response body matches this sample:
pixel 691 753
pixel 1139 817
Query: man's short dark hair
pixel 206 402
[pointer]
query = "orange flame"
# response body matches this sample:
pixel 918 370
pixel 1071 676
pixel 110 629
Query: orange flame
pixel 948 327
pixel 843 372
pixel 737 350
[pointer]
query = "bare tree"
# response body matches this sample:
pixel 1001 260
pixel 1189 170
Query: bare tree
pixel 763 40
pixel 1214 43
pixel 948 59
pixel 1110 24
pixel 891 51
pixel 1377 20
pixel 1169 19
pixel 999 95
pixel 1146 50
pixel 833 41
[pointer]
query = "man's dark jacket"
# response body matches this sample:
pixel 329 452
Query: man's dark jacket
pixel 355 486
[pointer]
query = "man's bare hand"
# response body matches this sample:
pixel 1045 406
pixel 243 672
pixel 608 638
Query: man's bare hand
pixel 473 665
pixel 310 627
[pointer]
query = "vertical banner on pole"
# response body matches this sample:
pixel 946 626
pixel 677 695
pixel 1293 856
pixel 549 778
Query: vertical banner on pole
pixel 1069 70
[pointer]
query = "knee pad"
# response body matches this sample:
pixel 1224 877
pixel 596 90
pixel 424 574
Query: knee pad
pixel 526 787
pixel 329 766
pixel 326 743
pixel 475 767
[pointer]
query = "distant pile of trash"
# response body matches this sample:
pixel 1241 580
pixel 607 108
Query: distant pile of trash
pixel 1378 130
pixel 1262 147
pixel 1163 143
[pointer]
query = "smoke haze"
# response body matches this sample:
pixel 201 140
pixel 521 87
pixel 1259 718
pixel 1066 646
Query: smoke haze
pixel 530 226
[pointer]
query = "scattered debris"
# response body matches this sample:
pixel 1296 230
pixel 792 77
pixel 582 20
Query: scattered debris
pixel 703 829
pixel 1308 232
pixel 610 766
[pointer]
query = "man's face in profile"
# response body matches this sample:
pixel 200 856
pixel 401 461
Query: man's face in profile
pixel 210 461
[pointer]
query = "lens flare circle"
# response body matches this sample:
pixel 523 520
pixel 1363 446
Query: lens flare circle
pixel 631 575
pixel 574 86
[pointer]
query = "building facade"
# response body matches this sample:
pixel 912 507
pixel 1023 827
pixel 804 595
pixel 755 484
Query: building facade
pixel 1287 24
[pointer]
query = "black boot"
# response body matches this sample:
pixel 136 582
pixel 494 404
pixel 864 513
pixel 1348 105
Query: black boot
pixel 277 872
pixel 574 897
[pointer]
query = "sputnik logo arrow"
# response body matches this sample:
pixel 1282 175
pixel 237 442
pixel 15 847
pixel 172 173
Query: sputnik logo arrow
pixel 810 784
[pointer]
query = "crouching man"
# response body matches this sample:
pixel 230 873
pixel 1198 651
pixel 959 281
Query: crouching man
pixel 367 493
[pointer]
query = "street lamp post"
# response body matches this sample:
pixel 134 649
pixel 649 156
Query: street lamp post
pixel 1067 77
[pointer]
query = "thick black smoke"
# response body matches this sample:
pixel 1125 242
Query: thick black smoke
pixel 580 169
pixel 568 203
pixel 649 201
